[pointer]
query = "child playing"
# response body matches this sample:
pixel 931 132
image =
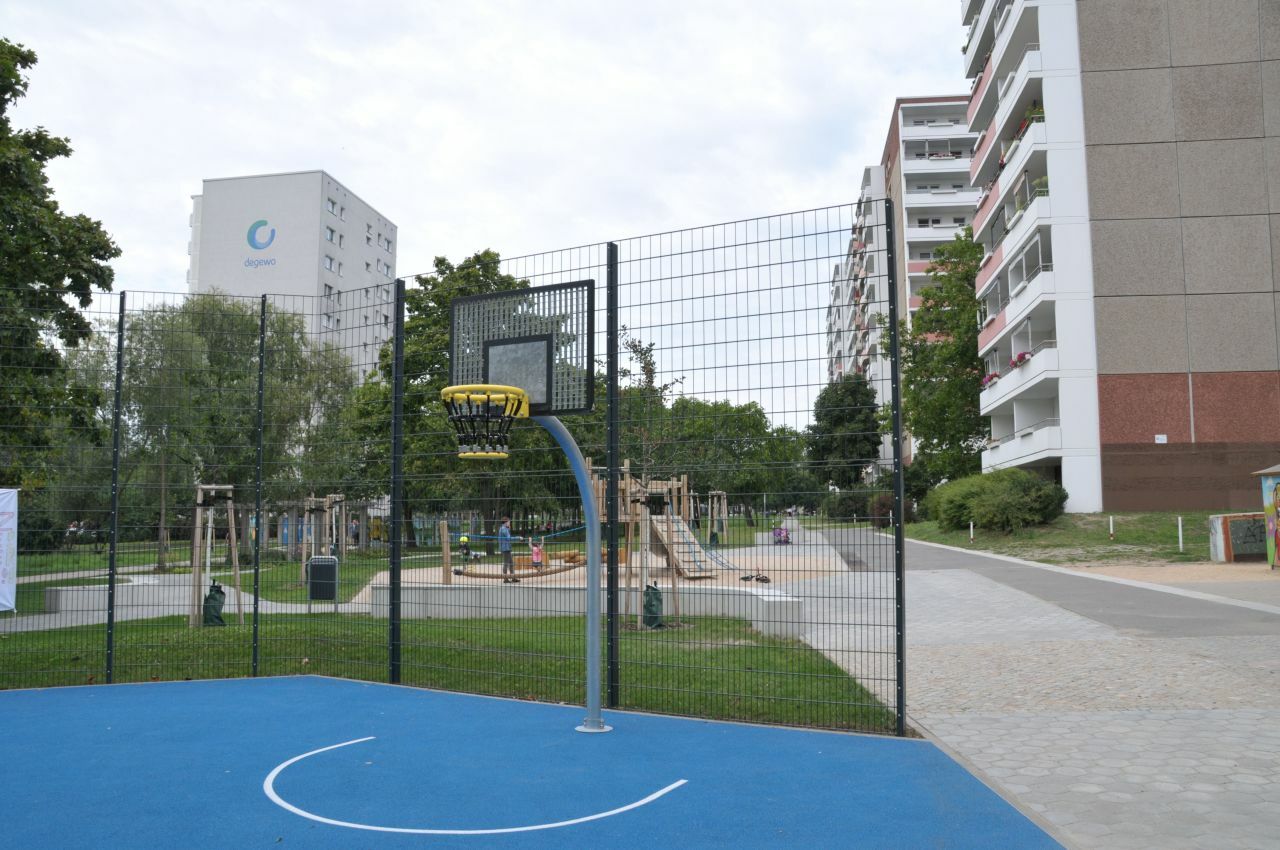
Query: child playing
pixel 535 554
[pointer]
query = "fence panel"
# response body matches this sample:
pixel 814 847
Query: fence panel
pixel 741 445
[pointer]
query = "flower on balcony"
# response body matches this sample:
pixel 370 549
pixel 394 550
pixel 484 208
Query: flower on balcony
pixel 989 379
pixel 1019 358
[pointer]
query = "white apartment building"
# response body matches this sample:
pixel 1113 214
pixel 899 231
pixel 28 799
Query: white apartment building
pixel 1128 160
pixel 308 242
pixel 927 162
pixel 1036 281
pixel 925 172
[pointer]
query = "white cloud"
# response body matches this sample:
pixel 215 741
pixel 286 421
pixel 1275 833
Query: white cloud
pixel 522 126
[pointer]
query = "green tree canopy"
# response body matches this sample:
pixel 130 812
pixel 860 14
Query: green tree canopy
pixel 51 264
pixel 845 435
pixel 940 367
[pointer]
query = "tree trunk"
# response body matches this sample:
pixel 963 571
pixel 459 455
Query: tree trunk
pixel 162 552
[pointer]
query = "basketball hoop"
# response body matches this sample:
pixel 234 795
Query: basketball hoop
pixel 482 415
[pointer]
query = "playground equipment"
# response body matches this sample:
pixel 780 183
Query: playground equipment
pixel 525 568
pixel 324 529
pixel 521 353
pixel 202 537
pixel 656 515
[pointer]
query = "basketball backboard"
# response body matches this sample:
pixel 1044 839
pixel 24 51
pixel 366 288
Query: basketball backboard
pixel 540 339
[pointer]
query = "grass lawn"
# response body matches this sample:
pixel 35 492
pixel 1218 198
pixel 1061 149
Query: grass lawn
pixel 715 667
pixel 1083 538
pixel 82 557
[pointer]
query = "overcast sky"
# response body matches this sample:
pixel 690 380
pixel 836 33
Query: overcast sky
pixel 521 126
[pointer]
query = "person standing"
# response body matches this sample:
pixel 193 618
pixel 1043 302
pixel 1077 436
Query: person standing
pixel 504 546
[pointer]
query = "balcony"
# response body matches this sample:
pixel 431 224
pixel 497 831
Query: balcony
pixel 937 164
pixel 934 233
pixel 969 10
pixel 940 197
pixel 980 87
pixel 1021 108
pixel 1040 363
pixel 1042 439
pixel 918 266
pixel 1010 311
pixel 939 128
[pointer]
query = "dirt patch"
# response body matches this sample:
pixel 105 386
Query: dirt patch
pixel 1161 573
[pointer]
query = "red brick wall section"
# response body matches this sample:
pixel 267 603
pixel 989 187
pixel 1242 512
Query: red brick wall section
pixel 1132 409
pixel 1237 407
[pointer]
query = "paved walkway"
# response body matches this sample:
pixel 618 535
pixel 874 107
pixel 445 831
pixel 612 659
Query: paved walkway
pixel 1120 715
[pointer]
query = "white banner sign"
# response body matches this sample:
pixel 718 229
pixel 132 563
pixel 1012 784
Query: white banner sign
pixel 8 549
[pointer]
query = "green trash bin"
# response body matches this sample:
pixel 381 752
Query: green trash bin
pixel 213 602
pixel 652 607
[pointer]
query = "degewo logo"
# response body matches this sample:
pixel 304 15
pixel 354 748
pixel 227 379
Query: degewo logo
pixel 258 245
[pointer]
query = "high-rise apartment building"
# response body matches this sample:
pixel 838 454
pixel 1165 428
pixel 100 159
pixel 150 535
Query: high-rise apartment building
pixel 1130 176
pixel 298 234
pixel 925 172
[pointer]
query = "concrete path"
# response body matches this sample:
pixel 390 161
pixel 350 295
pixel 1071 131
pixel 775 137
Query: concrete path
pixel 1120 715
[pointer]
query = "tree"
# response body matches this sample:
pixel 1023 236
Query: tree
pixel 51 264
pixel 845 435
pixel 940 367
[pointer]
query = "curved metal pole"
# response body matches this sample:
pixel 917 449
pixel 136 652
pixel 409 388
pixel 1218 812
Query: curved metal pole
pixel 590 513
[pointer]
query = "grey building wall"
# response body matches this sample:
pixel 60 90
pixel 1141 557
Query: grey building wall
pixel 1182 129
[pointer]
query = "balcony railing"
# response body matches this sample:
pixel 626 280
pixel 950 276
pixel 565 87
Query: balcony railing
pixel 1030 355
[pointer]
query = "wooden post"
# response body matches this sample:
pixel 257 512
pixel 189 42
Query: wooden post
pixel 197 551
pixel 235 554
pixel 446 568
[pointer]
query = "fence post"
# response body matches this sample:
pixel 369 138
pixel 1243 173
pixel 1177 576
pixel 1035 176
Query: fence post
pixel 115 497
pixel 258 526
pixel 614 462
pixel 397 487
pixel 899 496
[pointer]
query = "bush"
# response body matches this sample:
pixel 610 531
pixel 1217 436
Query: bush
pixel 846 505
pixel 951 504
pixel 1004 500
pixel 882 510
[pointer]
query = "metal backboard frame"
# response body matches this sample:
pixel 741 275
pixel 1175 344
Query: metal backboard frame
pixel 540 339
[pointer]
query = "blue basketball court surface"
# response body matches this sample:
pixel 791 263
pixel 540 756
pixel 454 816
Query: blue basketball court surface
pixel 315 762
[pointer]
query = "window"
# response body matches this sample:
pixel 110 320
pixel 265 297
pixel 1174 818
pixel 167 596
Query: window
pixel 368 267
pixel 957 186
pixel 326 320
pixel 342 213
pixel 368 240
pixel 341 239
pixel 329 234
pixel 337 322
pixel 328 262
pixel 339 269
pixel 380 242
pixel 926 255
pixel 379 266
pixel 328 291
pixel 368 228
pixel 386 320
pixel 331 205
pixel 388 246
pixel 958 221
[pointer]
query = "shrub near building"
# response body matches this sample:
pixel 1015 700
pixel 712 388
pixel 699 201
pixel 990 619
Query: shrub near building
pixel 1004 500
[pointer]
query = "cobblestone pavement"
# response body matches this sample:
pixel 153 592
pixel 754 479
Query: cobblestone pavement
pixel 1113 740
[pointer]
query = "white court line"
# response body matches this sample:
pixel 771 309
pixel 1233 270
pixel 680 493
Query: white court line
pixel 268 787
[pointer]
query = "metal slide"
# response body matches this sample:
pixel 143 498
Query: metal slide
pixel 688 556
